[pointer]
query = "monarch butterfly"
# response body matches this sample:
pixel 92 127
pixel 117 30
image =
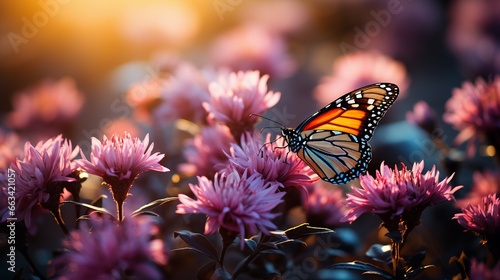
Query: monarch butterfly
pixel 334 140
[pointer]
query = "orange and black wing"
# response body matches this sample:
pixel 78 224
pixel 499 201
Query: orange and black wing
pixel 334 140
pixel 357 112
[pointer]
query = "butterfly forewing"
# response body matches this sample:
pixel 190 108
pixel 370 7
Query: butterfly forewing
pixel 357 112
pixel 334 140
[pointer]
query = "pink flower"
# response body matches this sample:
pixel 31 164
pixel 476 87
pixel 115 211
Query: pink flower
pixel 483 218
pixel 10 148
pixel 180 96
pixel 103 249
pixel 395 194
pixel 480 271
pixel 252 47
pixel 46 108
pixel 271 161
pixel 472 36
pixel 206 152
pixel 474 110
pixel 324 205
pixel 239 203
pixel 359 69
pixel 237 95
pixel 423 116
pixel 483 183
pixel 294 16
pixel 40 176
pixel 119 161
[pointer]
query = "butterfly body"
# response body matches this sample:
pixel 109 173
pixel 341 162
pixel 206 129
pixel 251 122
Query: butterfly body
pixel 334 140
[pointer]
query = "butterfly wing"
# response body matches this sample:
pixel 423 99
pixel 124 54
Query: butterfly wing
pixel 334 140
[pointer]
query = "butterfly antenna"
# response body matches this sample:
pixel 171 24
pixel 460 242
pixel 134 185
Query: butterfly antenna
pixel 270 142
pixel 271 120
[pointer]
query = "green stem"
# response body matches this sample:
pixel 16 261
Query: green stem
pixel 119 209
pixel 395 257
pixel 250 258
pixel 59 220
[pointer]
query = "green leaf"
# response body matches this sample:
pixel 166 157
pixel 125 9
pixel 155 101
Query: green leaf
pixel 206 271
pixel 272 251
pixel 380 253
pixel 366 268
pixel 414 272
pixel 198 242
pixel 291 241
pixel 91 207
pixel 251 244
pixel 98 201
pixel 153 204
pixel 305 230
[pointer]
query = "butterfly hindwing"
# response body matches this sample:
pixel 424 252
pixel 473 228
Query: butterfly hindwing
pixel 334 140
pixel 336 157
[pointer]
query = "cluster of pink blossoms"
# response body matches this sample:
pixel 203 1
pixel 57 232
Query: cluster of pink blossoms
pixel 397 195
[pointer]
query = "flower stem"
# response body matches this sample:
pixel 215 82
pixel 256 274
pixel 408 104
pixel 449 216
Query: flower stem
pixel 395 246
pixel 227 239
pixel 119 209
pixel 57 215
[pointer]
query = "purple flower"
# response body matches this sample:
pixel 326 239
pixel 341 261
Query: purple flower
pixel 180 96
pixel 252 47
pixel 10 148
pixel 474 110
pixel 271 161
pixel 359 69
pixel 423 116
pixel 483 183
pixel 237 95
pixel 206 152
pixel 472 36
pixel 119 160
pixel 294 16
pixel 103 249
pixel 46 108
pixel 239 203
pixel 483 218
pixel 480 271
pixel 325 206
pixel 396 195
pixel 40 176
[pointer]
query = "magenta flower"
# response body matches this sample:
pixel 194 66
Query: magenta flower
pixel 103 249
pixel 483 183
pixel 423 116
pixel 46 108
pixel 325 205
pixel 359 69
pixel 397 195
pixel 252 47
pixel 239 203
pixel 474 110
pixel 10 148
pixel 472 36
pixel 237 95
pixel 483 218
pixel 271 161
pixel 180 96
pixel 40 177
pixel 480 271
pixel 119 160
pixel 206 152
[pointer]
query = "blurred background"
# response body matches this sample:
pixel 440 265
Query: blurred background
pixel 93 52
